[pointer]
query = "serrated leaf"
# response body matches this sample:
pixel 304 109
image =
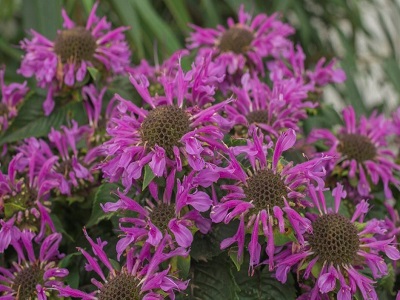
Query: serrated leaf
pixel 40 127
pixel 148 176
pixel 105 193
pixel 212 280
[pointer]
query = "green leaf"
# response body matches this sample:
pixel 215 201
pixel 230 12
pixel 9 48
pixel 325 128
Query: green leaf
pixel 43 16
pixel 129 17
pixel 181 265
pixel 263 285
pixel 40 127
pixel 212 280
pixel 94 73
pixel 180 12
pixel 206 246
pixel 387 282
pixel 281 239
pixel 70 262
pixel 105 193
pixel 148 176
pixel 157 26
pixel 11 208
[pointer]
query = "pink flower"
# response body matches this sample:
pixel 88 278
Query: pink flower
pixel 65 60
pixel 337 248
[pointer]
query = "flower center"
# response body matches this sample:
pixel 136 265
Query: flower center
pixel 161 215
pixel 258 116
pixel 19 201
pixel 3 109
pixel 358 147
pixel 75 45
pixel 334 239
pixel 165 126
pixel 236 39
pixel 121 287
pixel 265 189
pixel 26 280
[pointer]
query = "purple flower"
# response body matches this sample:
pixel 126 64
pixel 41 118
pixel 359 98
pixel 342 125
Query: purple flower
pixel 244 43
pixel 24 202
pixel 265 198
pixel 359 152
pixel 291 65
pixel 33 277
pixel 174 216
pixel 338 248
pixel 137 279
pixel 11 96
pixel 165 133
pixel 69 169
pixel 65 60
pixel 272 110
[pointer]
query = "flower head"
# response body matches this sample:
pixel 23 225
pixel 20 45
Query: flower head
pixel 360 150
pixel 65 60
pixel 69 168
pixel 23 202
pixel 170 216
pixel 265 200
pixel 33 277
pixel 338 248
pixel 273 110
pixel 166 133
pixel 137 279
pixel 243 44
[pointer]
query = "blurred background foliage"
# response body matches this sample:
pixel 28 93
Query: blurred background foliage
pixel 363 34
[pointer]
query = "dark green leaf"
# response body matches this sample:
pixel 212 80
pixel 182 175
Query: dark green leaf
pixel 41 126
pixel 212 280
pixel 262 285
pixel 148 176
pixel 105 193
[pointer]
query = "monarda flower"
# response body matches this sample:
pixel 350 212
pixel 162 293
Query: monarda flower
pixel 65 60
pixel 273 110
pixel 291 65
pixel 24 202
pixel 245 43
pixel 266 199
pixel 168 135
pixel 177 216
pixel 33 276
pixel 359 152
pixel 136 279
pixel 70 169
pixel 338 249
pixel 11 96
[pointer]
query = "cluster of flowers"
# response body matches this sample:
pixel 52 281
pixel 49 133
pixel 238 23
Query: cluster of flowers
pixel 193 148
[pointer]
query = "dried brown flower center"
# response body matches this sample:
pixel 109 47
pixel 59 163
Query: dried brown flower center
pixel 334 239
pixel 358 147
pixel 236 39
pixel 258 116
pixel 265 189
pixel 161 215
pixel 165 126
pixel 121 287
pixel 75 45
pixel 26 280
